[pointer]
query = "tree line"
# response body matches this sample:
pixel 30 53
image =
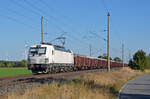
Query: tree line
pixel 4 63
pixel 104 56
pixel 140 61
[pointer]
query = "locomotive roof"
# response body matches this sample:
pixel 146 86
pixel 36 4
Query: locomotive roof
pixel 58 46
pixel 52 44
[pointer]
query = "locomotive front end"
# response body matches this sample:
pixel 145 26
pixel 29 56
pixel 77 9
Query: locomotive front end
pixel 38 58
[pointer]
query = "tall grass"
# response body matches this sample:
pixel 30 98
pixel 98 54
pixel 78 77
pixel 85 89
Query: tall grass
pixel 91 86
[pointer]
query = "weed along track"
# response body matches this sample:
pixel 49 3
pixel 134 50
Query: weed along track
pixel 92 84
pixel 10 84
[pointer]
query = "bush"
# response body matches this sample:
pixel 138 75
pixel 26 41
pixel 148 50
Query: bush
pixel 117 59
pixel 139 61
pixel 147 62
pixel 104 56
pixel 22 63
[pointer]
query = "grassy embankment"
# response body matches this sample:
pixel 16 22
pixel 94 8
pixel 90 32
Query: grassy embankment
pixel 91 86
pixel 7 72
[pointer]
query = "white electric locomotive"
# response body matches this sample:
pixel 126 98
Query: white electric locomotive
pixel 47 57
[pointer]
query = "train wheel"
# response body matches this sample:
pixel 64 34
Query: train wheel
pixel 46 71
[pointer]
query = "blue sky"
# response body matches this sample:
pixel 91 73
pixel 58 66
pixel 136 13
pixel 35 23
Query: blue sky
pixel 83 20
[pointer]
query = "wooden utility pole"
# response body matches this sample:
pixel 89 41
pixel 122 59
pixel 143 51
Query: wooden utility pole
pixel 42 30
pixel 123 55
pixel 90 49
pixel 108 43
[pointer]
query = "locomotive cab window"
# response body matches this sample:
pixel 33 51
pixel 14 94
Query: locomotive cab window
pixel 37 50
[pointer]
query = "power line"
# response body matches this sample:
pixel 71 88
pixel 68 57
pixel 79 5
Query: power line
pixel 99 36
pixel 106 8
pixel 73 37
pixel 116 32
pixel 50 16
pixel 25 8
pixel 103 39
pixel 17 13
pixel 97 51
pixel 104 5
pixel 41 10
pixel 33 6
pixel 96 35
pixel 35 12
pixel 58 27
pixel 40 13
pixel 45 4
pixel 17 21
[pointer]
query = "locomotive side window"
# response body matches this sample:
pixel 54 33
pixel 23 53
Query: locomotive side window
pixel 61 49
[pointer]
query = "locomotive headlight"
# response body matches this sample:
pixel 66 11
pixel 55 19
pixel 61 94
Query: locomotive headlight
pixel 46 60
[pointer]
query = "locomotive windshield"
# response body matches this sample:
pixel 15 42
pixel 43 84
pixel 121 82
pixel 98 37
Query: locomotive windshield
pixel 37 50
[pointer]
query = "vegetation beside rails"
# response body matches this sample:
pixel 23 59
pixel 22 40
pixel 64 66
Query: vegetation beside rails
pixel 10 64
pixel 7 72
pixel 140 61
pixel 90 86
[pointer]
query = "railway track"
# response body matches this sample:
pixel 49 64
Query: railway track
pixel 10 84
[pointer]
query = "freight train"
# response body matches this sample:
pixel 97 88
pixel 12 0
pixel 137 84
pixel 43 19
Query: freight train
pixel 48 58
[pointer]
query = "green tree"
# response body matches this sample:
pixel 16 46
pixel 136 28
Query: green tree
pixel 100 56
pixel 131 64
pixel 117 59
pixel 139 60
pixel 2 64
pixel 9 64
pixel 148 62
pixel 104 56
pixel 24 63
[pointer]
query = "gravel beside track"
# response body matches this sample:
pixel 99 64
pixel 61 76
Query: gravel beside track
pixel 20 83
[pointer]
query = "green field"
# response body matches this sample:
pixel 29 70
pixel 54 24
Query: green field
pixel 7 72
